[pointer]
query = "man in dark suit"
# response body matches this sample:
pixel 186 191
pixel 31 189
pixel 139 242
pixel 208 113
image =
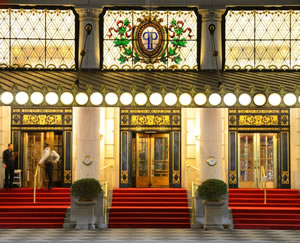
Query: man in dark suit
pixel 9 164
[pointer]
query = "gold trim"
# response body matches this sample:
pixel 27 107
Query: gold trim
pixel 234 181
pixel 67 173
pixel 126 175
pixel 287 175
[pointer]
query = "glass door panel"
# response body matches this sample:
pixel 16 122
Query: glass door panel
pixel 257 151
pixel 142 172
pixel 160 160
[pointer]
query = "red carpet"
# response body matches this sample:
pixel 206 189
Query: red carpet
pixel 149 208
pixel 17 209
pixel 282 210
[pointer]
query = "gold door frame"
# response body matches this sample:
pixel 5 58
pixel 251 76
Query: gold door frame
pixel 151 180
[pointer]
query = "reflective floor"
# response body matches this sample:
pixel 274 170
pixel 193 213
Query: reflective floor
pixel 147 235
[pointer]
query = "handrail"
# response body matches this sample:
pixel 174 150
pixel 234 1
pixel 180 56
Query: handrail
pixel 34 183
pixel 263 173
pixel 193 167
pixel 105 201
pixel 107 166
pixel 194 184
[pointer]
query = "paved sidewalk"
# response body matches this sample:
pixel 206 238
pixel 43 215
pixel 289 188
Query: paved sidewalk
pixel 147 235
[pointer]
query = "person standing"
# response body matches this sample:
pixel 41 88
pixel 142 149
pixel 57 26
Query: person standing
pixel 48 158
pixel 9 164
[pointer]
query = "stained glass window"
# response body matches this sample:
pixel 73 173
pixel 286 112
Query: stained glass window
pixel 150 40
pixel 262 39
pixel 37 38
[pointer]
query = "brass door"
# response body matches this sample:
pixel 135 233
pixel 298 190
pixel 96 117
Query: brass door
pixel 33 148
pixel 255 151
pixel 152 160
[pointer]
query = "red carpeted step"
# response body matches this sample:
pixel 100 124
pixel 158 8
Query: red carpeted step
pixel 149 208
pixel 282 210
pixel 17 209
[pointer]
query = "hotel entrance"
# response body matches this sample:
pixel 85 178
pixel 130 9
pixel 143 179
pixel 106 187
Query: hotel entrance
pixel 152 160
pixel 33 147
pixel 257 155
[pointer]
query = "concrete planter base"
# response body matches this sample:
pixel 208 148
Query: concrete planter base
pixel 213 215
pixel 85 216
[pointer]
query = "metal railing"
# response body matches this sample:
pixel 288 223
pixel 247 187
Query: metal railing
pixel 34 183
pixel 264 184
pixel 194 187
pixel 106 201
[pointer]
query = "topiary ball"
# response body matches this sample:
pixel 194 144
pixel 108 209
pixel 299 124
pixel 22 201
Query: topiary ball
pixel 212 189
pixel 86 189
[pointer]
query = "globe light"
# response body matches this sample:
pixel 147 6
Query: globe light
pixel 289 99
pixel 155 99
pixel 96 98
pixel 66 98
pixel 230 99
pixel 126 98
pixel 259 99
pixel 81 98
pixel 22 98
pixel 200 99
pixel 185 99
pixel 51 98
pixel 274 99
pixel 170 99
pixel 214 99
pixel 245 99
pixel 7 98
pixel 111 98
pixel 36 98
pixel 140 98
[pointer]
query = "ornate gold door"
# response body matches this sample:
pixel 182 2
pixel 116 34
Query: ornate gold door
pixel 152 160
pixel 257 152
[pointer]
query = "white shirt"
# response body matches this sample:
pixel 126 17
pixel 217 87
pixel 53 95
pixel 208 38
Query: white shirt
pixel 47 152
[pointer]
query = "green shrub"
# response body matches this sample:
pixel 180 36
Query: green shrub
pixel 212 189
pixel 86 189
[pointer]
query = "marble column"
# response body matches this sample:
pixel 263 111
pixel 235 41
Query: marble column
pixel 86 142
pixel 295 148
pixel 211 143
pixel 92 57
pixel 207 58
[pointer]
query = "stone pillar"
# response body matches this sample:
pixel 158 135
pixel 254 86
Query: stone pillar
pixel 295 148
pixel 86 142
pixel 211 143
pixel 5 137
pixel 91 59
pixel 207 58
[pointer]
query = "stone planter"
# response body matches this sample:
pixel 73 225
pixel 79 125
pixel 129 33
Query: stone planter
pixel 85 216
pixel 213 215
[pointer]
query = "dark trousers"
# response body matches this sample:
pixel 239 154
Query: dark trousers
pixel 9 175
pixel 49 170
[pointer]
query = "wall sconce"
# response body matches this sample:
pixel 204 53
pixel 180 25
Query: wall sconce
pixel 197 134
pixel 101 136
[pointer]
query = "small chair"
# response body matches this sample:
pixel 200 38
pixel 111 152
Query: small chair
pixel 18 178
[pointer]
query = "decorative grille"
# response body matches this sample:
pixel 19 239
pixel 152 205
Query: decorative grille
pixel 150 40
pixel 36 38
pixel 262 39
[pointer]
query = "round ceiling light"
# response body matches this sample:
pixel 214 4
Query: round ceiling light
pixel 51 98
pixel 200 99
pixel 170 99
pixel 36 98
pixel 111 98
pixel 126 98
pixel 185 99
pixel 230 99
pixel 22 98
pixel 81 98
pixel 289 99
pixel 141 98
pixel 274 99
pixel 245 99
pixel 214 99
pixel 7 98
pixel 259 99
pixel 66 98
pixel 155 99
pixel 96 98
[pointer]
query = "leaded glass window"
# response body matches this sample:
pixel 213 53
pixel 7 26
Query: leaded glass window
pixel 262 39
pixel 150 40
pixel 37 38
